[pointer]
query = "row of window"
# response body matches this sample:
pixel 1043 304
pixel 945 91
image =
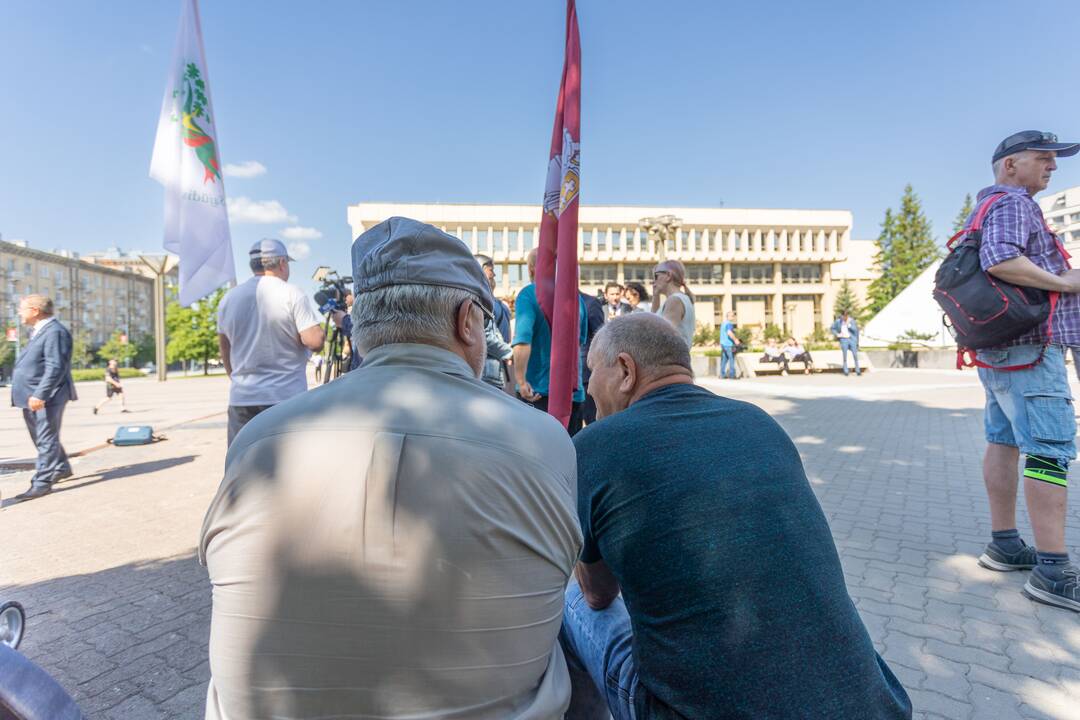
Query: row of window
pixel 699 241
pixel 696 273
pixel 491 240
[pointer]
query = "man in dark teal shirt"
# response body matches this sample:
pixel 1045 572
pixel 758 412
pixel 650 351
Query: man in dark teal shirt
pixel 697 510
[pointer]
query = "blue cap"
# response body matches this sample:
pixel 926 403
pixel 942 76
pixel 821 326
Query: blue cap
pixel 1034 140
pixel 269 248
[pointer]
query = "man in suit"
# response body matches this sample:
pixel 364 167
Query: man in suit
pixel 41 385
pixel 846 330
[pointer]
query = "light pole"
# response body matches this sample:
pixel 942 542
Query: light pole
pixel 159 265
pixel 661 229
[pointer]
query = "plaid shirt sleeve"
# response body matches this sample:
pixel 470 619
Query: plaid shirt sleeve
pixel 1005 231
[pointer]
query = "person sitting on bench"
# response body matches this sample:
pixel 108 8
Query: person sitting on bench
pixel 795 352
pixel 775 354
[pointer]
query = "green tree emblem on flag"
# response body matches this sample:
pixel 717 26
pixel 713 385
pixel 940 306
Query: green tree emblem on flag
pixel 194 136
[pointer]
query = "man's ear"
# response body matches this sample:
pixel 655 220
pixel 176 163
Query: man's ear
pixel 628 369
pixel 465 323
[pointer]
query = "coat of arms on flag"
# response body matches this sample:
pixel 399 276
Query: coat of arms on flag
pixel 563 177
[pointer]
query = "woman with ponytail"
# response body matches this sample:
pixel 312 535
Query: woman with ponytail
pixel 669 280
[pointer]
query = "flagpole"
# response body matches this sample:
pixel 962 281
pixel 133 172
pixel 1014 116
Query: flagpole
pixel 557 261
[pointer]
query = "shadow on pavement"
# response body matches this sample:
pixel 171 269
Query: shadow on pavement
pixel 127 642
pixel 900 482
pixel 123 471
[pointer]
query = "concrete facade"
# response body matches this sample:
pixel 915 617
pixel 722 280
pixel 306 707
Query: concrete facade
pixel 93 299
pixel 772 266
pixel 1062 212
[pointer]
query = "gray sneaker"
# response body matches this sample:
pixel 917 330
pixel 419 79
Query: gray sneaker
pixel 1064 593
pixel 994 558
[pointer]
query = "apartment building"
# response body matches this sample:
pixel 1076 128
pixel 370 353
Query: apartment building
pixel 771 266
pixel 93 299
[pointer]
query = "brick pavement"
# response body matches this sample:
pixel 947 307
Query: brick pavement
pixel 119 608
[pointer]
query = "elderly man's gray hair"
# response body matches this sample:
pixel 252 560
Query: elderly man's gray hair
pixel 406 314
pixel 651 340
pixel 262 264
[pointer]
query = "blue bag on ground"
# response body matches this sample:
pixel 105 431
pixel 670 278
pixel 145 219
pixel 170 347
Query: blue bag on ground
pixel 133 435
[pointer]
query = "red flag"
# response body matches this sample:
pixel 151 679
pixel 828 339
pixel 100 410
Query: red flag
pixel 556 258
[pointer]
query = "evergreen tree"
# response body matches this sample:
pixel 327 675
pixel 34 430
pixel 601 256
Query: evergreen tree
pixel 847 302
pixel 116 349
pixel 906 247
pixel 962 216
pixel 192 331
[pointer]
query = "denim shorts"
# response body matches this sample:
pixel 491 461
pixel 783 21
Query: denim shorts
pixel 1029 409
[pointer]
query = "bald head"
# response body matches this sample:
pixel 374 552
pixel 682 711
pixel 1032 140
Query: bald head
pixel 530 260
pixel 632 356
pixel 649 339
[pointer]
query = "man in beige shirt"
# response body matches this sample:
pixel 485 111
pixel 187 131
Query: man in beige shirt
pixel 396 544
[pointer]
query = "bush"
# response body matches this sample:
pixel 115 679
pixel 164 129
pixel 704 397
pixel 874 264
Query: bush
pixel 773 332
pixel 706 335
pixel 745 335
pixel 88 374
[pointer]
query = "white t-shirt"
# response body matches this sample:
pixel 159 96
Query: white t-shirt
pixel 262 319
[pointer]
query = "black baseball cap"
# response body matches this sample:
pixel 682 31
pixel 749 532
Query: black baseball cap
pixel 1034 140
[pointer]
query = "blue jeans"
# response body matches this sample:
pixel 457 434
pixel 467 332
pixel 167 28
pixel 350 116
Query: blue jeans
pixel 847 345
pixel 1029 409
pixel 599 642
pixel 727 361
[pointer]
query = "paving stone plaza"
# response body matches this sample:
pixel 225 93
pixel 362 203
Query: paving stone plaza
pixel 119 609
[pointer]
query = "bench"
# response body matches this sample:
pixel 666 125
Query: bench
pixel 749 364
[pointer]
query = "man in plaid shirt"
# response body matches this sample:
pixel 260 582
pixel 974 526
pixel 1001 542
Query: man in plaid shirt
pixel 1030 411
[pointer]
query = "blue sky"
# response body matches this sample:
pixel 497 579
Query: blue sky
pixel 781 104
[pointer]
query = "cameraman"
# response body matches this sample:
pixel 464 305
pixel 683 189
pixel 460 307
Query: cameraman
pixel 342 319
pixel 266 328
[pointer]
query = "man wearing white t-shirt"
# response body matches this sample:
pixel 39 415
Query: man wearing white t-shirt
pixel 266 330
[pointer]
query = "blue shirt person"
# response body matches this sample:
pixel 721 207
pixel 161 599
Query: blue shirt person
pixel 728 343
pixel 531 329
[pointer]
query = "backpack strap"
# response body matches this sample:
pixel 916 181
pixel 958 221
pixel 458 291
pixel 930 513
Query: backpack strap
pixel 977 218
pixel 965 357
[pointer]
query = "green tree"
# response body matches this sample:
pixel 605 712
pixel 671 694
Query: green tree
pixel 7 356
pixel 847 302
pixel 144 350
pixel 773 332
pixel 192 331
pixel 115 349
pixel 906 247
pixel 81 354
pixel 962 216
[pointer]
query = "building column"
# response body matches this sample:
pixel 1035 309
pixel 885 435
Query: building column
pixel 728 301
pixel 778 297
pixel 827 296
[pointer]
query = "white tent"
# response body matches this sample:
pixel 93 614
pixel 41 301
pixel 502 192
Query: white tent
pixel 914 309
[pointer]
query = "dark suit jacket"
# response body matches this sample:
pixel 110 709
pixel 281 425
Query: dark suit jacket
pixel 43 369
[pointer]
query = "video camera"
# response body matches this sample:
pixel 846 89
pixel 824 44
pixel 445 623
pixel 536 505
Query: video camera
pixel 331 293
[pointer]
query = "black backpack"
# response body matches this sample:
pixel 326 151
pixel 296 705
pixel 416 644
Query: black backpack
pixel 984 311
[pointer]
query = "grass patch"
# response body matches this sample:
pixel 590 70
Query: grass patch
pixel 88 374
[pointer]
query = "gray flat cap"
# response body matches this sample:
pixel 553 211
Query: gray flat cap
pixel 402 251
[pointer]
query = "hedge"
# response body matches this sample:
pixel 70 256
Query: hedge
pixel 88 374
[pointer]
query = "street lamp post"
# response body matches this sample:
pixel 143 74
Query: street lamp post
pixel 661 229
pixel 159 265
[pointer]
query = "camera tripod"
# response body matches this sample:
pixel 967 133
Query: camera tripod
pixel 335 363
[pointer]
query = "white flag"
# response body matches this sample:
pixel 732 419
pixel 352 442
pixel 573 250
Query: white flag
pixel 187 163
